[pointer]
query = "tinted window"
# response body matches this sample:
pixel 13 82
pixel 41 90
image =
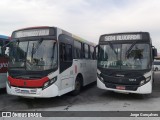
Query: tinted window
pixel 124 56
pixel 66 52
pixel 86 51
pixel 91 52
pixel 77 49
pixel 36 55
pixel 96 52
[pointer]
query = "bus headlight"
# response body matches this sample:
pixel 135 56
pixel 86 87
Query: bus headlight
pixel 148 78
pixel 49 83
pixel 100 78
pixel 142 82
pixel 145 81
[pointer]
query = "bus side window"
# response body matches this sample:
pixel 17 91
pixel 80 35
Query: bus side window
pixel 77 49
pixel 66 52
pixel 91 52
pixel 86 49
pixel 96 52
pixel 66 56
pixel 83 51
pixel 89 57
pixel 61 52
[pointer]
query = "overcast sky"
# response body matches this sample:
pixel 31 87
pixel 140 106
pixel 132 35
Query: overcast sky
pixel 85 18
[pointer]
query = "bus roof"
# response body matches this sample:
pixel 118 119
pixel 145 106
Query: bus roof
pixel 72 35
pixel 35 27
pixel 83 40
pixel 4 37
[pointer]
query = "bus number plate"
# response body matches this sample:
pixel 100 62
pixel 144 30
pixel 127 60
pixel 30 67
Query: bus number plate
pixel 24 91
pixel 120 87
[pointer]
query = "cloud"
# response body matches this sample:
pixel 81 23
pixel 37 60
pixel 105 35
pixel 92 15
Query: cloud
pixel 86 18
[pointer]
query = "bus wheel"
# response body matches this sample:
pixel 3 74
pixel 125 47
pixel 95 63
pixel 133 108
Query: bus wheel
pixel 156 69
pixel 78 86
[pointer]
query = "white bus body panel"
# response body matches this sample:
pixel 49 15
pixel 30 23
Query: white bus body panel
pixel 66 79
pixel 51 91
pixel 87 68
pixel 144 89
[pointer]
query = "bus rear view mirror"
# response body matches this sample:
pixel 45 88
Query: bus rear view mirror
pixel 154 50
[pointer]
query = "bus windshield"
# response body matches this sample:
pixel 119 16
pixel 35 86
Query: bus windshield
pixel 132 56
pixel 33 55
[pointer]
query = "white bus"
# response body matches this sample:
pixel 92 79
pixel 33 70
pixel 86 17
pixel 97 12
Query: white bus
pixel 125 62
pixel 3 61
pixel 48 62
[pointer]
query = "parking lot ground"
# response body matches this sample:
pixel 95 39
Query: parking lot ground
pixel 90 99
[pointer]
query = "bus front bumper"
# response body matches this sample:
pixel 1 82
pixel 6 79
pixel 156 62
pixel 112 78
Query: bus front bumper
pixel 51 91
pixel 145 89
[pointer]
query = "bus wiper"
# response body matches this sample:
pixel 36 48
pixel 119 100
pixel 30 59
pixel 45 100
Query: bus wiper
pixel 35 47
pixel 110 44
pixel 130 48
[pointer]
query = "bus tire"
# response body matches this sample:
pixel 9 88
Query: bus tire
pixel 156 69
pixel 78 86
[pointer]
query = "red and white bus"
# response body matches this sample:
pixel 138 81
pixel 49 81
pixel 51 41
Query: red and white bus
pixel 3 61
pixel 48 62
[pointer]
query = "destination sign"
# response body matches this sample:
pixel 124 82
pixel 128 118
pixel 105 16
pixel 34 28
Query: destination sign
pixel 123 37
pixel 31 33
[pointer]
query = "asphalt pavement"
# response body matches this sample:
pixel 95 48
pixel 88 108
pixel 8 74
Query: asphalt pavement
pixel 90 99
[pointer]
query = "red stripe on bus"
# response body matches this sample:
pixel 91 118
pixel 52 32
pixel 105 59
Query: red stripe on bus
pixel 27 82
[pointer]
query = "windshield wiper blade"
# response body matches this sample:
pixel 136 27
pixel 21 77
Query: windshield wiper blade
pixel 130 48
pixel 34 50
pixel 110 44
